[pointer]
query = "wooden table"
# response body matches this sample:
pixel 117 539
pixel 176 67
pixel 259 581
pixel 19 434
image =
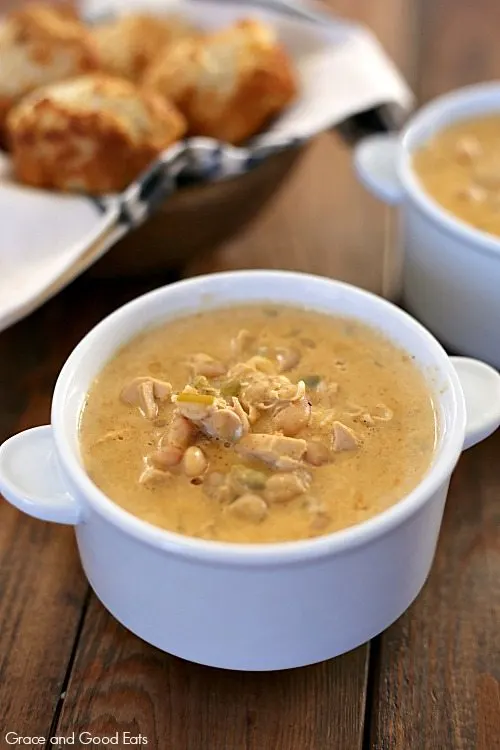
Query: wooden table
pixel 431 682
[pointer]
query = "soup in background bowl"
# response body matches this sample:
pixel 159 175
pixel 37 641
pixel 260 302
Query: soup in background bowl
pixel 460 168
pixel 232 604
pixel 259 423
pixel 442 171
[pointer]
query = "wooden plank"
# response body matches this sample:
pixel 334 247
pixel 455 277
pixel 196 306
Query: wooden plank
pixel 458 45
pixel 121 684
pixel 42 587
pixel 438 685
pixel 439 665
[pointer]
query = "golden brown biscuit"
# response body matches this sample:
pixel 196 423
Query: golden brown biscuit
pixel 93 134
pixel 127 45
pixel 229 84
pixel 38 45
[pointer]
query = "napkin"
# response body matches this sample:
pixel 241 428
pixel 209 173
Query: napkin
pixel 346 82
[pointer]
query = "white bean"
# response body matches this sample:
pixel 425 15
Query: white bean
pixel 194 462
pixel 468 148
pixel 287 358
pixel 249 508
pixel 166 457
pixel 293 418
pixel 283 487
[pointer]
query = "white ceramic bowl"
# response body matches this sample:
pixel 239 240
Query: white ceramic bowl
pixel 249 607
pixel 451 277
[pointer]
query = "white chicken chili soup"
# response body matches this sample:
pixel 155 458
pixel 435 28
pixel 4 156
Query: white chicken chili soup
pixel 258 423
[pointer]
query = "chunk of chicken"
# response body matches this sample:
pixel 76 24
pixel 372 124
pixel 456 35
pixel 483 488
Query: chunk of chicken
pixel 195 412
pixel 203 364
pixel 468 148
pixel 144 392
pixel 317 453
pixel 382 413
pixel 486 172
pixel 472 194
pixel 293 418
pixel 344 439
pixel 241 342
pixel 278 451
pixel 152 477
pixel 241 413
pixel 249 508
pixel 325 394
pixel 364 418
pixel 261 364
pixel 267 392
pixel 215 418
pixel 322 419
pixel 256 391
pixel 287 358
pixel 178 437
pixel 283 487
pixel 353 410
pixel 218 487
pixel 113 435
pixel 243 371
pixel 320 518
pixel 180 433
pixel 224 424
pixel 253 414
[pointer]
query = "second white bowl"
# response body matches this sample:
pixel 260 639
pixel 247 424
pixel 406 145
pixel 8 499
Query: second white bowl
pixel 451 277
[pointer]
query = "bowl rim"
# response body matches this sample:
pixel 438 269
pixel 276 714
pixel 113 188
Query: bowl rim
pixel 446 220
pixel 278 553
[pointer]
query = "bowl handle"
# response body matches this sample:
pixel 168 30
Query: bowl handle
pixel 30 478
pixel 375 162
pixel 481 386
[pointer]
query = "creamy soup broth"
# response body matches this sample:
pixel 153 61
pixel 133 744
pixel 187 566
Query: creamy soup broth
pixel 460 168
pixel 289 424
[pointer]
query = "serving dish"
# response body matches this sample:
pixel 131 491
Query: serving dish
pixel 451 270
pixel 249 607
pixel 162 222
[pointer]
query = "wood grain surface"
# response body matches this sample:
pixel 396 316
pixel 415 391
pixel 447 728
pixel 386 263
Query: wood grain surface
pixel 121 684
pixel 431 682
pixel 41 585
pixel 42 589
pixel 436 675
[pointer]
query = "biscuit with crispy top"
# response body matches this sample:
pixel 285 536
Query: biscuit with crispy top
pixel 92 134
pixel 127 45
pixel 40 44
pixel 229 84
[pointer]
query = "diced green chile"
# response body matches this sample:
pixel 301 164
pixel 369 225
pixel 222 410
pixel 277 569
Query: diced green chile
pixel 202 385
pixel 246 478
pixel 311 381
pixel 230 388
